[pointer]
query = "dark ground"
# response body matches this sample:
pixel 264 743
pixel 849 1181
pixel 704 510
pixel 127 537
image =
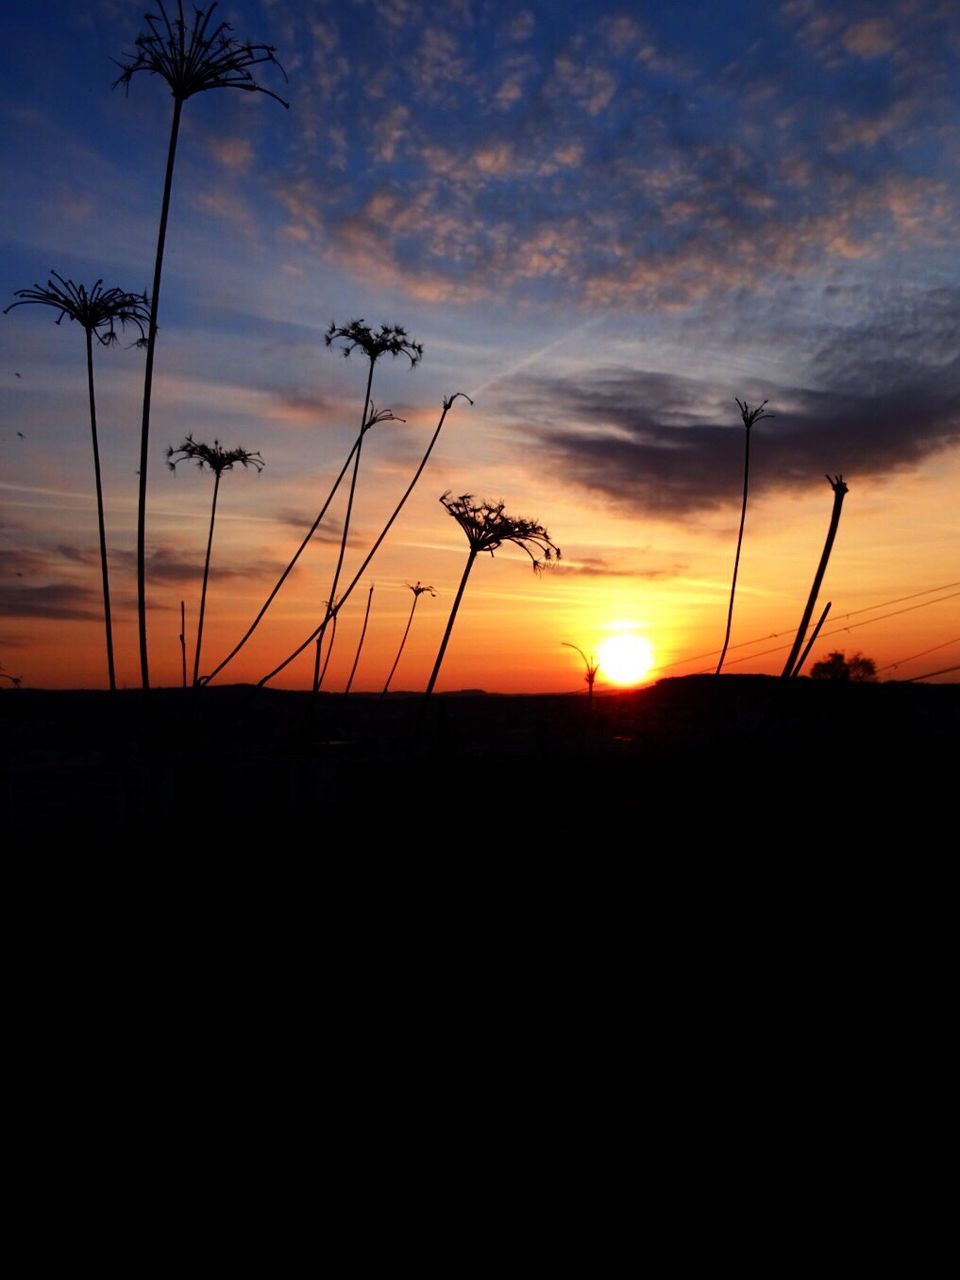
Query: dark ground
pixel 696 816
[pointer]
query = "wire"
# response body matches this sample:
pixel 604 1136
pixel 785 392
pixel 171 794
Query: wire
pixel 743 644
pixel 942 672
pixel 922 654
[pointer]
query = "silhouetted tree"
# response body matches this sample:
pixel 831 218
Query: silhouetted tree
pixel 191 60
pixel 749 417
pixel 218 460
pixel 97 311
pixel 837 666
pixel 488 527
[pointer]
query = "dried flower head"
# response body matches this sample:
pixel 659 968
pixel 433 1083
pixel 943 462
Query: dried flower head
pixel 196 59
pixel 96 310
pixel 391 340
pixel 213 456
pixel 419 589
pixel 488 527
pixel 750 416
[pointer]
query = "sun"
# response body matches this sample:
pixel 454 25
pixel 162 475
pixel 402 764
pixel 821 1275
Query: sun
pixel 625 658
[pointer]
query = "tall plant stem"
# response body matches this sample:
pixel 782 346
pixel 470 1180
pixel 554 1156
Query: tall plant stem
pixel 396 661
pixel 346 523
pixel 183 643
pixel 356 661
pixel 736 562
pixel 147 393
pixel 453 617
pixel 288 570
pixel 812 641
pixel 206 574
pixel 839 493
pixel 333 610
pixel 107 618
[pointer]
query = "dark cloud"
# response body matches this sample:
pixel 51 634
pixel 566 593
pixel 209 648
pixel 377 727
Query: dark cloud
pixel 655 442
pixel 329 531
pixel 597 567
pixel 61 600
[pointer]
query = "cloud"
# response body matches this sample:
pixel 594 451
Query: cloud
pixel 661 444
pixel 59 600
pixel 597 567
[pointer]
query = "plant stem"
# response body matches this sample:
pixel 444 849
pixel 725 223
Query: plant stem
pixel 346 523
pixel 453 615
pixel 356 661
pixel 183 643
pixel 107 618
pixel 736 562
pixel 334 609
pixel 147 392
pixel 396 661
pixel 812 641
pixel 287 571
pixel 206 572
pixel 333 637
pixel 839 492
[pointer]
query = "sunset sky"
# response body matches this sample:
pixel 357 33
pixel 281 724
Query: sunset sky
pixel 603 224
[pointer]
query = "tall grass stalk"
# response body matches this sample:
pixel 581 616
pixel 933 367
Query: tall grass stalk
pixel 218 460
pixel 191 60
pixel 840 491
pixel 97 311
pixel 418 590
pixel 363 634
pixel 591 667
pixel 388 340
pixel 487 528
pixel 749 417
pixel 334 609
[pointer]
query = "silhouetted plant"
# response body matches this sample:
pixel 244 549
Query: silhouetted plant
pixel 375 416
pixel 183 645
pixel 14 680
pixel 218 460
pixel 749 417
pixel 389 340
pixel 837 666
pixel 97 311
pixel 488 527
pixel 191 61
pixel 591 667
pixel 840 491
pixel 363 634
pixel 332 611
pixel 418 590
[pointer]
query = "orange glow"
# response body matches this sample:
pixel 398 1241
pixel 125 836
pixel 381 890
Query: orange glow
pixel 625 658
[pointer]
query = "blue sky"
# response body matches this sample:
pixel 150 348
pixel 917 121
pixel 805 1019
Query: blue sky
pixel 603 224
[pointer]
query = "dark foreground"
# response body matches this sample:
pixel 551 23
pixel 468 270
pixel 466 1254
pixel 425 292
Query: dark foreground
pixel 690 819
pixel 735 765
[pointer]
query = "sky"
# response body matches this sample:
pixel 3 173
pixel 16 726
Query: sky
pixel 603 224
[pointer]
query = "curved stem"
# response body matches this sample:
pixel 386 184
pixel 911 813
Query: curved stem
pixel 107 617
pixel 453 616
pixel 346 523
pixel 287 571
pixel 396 661
pixel 333 610
pixel 333 637
pixel 147 393
pixel 839 492
pixel 356 661
pixel 206 574
pixel 736 562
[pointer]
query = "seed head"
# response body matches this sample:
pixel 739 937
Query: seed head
pixel 196 59
pixel 214 457
pixel 391 340
pixel 96 310
pixel 487 527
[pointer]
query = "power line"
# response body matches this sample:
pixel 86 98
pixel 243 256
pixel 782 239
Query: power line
pixel 743 644
pixel 922 654
pixel 930 674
